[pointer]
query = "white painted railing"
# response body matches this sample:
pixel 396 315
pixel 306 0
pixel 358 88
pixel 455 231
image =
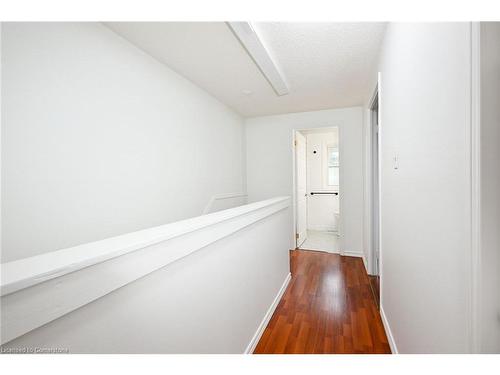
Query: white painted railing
pixel 43 288
pixel 225 201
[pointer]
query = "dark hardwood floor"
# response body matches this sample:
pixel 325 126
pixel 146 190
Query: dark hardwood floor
pixel 328 307
pixel 375 286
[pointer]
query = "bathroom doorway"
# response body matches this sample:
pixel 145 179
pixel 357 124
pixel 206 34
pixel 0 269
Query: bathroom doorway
pixel 317 189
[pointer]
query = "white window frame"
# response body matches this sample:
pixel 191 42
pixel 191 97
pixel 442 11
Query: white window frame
pixel 327 169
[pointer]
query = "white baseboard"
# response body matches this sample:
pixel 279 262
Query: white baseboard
pixel 352 254
pixel 365 264
pixel 256 337
pixel 388 332
pixel 322 228
pixel 321 250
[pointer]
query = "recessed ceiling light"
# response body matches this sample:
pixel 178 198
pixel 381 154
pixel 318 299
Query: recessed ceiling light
pixel 252 43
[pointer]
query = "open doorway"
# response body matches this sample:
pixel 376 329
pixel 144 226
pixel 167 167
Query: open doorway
pixel 375 197
pixel 317 187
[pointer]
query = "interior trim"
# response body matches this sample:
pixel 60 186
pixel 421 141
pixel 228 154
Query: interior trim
pixel 390 337
pixel 262 326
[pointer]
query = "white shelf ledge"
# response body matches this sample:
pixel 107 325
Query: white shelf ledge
pixel 42 288
pixel 27 272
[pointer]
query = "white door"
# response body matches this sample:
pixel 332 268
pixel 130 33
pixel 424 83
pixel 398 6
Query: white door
pixel 301 186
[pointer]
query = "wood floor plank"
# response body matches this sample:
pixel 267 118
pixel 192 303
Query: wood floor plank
pixel 328 307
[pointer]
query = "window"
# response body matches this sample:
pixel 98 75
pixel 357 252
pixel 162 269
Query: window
pixel 333 167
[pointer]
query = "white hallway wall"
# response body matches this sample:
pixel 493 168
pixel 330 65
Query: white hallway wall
pixel 100 139
pixel 425 239
pixel 270 171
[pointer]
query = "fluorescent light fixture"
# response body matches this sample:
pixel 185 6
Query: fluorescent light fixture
pixel 250 40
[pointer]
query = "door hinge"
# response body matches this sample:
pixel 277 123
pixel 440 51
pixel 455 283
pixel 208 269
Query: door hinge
pixel 295 143
pixel 296 236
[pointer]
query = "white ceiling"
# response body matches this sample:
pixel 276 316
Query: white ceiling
pixel 326 65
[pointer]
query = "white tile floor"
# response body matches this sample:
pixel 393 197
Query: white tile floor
pixel 321 241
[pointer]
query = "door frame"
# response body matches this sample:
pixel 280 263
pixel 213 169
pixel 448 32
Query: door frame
pixel 374 191
pixel 295 189
pixel 368 176
pixel 474 171
pixel 294 180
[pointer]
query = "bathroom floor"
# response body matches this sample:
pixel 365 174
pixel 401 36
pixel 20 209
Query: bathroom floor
pixel 321 241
